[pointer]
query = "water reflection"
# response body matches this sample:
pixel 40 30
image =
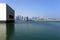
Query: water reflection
pixel 30 31
pixel 2 31
pixel 10 30
pixel 6 30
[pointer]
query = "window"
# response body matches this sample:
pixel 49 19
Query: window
pixel 11 16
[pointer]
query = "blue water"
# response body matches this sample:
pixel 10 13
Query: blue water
pixel 35 31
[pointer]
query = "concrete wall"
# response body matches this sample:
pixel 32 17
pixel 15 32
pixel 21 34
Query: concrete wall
pixel 5 11
pixel 2 12
pixel 9 11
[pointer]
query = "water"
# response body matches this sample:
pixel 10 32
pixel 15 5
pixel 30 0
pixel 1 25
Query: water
pixel 6 30
pixel 32 31
pixel 2 31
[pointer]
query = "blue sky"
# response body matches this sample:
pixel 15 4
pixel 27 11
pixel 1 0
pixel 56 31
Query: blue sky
pixel 38 8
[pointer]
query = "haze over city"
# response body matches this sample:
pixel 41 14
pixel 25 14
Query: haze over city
pixel 35 8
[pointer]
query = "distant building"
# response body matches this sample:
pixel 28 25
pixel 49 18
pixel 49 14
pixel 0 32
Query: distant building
pixel 19 18
pixel 39 19
pixel 6 13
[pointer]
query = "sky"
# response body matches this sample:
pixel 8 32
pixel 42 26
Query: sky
pixel 35 8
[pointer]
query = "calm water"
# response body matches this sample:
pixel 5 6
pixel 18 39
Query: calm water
pixel 33 31
pixel 2 31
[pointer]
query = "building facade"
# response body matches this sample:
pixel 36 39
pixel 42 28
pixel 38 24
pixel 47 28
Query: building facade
pixel 6 13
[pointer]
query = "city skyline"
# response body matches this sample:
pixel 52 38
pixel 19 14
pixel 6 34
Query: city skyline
pixel 38 8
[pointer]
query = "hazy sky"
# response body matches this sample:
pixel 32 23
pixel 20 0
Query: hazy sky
pixel 30 8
